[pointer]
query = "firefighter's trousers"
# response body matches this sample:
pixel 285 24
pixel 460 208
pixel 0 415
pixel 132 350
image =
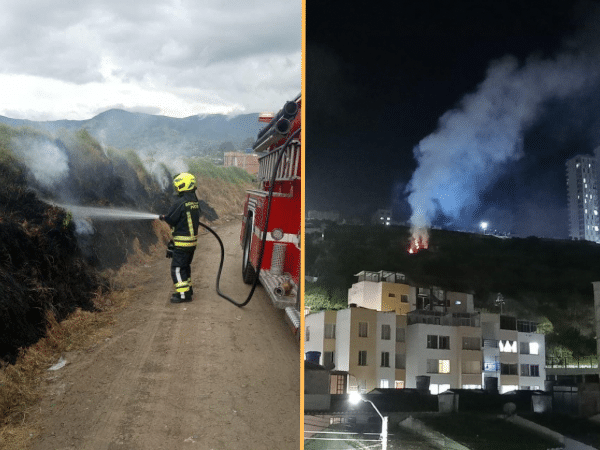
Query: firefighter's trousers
pixel 181 271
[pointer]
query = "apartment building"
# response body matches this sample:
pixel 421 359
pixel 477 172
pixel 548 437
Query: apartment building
pixel 582 196
pixel 246 161
pixel 446 347
pixel 384 341
pixel 360 342
pixel 513 353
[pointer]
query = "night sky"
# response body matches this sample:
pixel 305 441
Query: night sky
pixel 472 106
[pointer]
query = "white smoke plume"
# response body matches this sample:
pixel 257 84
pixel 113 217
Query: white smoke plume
pixel 48 163
pixel 156 165
pixel 466 153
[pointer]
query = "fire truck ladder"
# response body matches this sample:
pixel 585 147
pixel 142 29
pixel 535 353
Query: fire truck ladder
pixel 288 167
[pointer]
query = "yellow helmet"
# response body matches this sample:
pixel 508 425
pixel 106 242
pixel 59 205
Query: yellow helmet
pixel 185 182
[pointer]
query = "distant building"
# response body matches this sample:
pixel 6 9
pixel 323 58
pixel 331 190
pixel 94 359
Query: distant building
pixel 382 217
pixel 395 335
pixel 246 161
pixel 582 193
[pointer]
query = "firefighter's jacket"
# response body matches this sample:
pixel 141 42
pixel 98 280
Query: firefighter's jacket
pixel 183 218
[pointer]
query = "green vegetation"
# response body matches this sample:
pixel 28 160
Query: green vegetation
pixel 540 279
pixel 205 168
pixel 319 298
pixel 10 168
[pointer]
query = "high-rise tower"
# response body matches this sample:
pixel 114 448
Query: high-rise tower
pixel 582 192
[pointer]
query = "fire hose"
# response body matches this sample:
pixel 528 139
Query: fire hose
pixel 264 236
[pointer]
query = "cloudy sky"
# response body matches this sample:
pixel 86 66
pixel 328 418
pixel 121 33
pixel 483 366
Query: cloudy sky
pixel 72 60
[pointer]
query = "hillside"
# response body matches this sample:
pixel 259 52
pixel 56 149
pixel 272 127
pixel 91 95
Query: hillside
pixel 195 135
pixel 538 278
pixel 54 262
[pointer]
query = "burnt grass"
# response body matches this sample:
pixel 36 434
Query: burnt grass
pixel 47 266
pixel 41 270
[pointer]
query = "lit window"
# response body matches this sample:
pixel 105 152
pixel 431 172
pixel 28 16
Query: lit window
pixel 444 366
pixel 384 384
pixel 508 388
pixel 399 384
pixel 508 346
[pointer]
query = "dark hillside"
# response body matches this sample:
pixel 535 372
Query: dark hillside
pixel 537 277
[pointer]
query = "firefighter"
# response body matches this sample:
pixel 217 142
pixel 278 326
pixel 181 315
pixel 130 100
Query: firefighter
pixel 183 218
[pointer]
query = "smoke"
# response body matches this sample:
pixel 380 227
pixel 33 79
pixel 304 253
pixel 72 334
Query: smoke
pixel 475 141
pixel 83 225
pixel 163 167
pixel 48 164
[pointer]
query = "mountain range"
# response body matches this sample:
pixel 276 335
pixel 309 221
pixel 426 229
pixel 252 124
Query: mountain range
pixel 190 136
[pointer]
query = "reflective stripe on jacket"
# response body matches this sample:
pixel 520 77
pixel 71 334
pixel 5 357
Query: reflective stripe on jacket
pixel 184 218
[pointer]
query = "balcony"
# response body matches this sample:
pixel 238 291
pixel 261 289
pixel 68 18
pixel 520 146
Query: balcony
pixel 443 318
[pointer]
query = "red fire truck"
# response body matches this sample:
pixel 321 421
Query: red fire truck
pixel 271 228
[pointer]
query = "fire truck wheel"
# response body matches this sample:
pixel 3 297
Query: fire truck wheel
pixel 248 272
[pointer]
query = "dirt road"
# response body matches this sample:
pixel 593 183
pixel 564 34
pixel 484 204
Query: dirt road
pixel 200 375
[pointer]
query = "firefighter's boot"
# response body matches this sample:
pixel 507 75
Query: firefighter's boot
pixel 181 297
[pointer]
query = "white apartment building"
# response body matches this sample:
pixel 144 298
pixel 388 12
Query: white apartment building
pixel 386 342
pixel 513 353
pixel 582 196
pixel 446 347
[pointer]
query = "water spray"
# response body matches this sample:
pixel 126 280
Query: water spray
pixel 106 213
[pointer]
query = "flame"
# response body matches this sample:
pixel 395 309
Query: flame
pixel 419 240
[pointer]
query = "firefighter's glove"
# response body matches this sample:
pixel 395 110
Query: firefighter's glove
pixel 170 248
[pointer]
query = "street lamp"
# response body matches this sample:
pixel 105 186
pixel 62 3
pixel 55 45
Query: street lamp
pixel 355 397
pixel 483 226
pixel 500 301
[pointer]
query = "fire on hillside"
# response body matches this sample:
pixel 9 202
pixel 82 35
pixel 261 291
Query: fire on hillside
pixel 419 240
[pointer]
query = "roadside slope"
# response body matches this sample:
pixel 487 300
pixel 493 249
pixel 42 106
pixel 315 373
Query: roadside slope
pixel 203 375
